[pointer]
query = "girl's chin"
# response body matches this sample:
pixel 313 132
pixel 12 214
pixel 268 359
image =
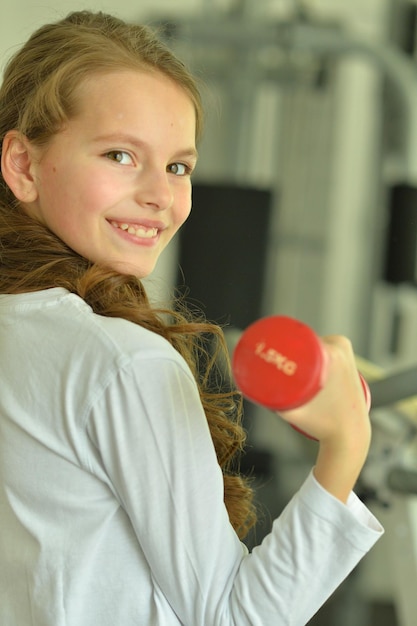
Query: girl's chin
pixel 131 269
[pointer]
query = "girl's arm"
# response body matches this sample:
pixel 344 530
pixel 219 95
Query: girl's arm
pixel 157 451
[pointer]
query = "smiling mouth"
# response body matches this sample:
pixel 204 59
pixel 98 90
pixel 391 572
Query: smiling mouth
pixel 136 229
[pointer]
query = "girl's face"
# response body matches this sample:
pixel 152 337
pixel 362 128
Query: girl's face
pixel 115 184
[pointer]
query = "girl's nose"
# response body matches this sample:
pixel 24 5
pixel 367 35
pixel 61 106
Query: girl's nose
pixel 154 190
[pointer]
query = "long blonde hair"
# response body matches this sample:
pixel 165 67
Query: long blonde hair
pixel 37 97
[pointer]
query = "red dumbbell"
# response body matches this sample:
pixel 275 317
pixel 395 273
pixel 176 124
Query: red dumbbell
pixel 280 363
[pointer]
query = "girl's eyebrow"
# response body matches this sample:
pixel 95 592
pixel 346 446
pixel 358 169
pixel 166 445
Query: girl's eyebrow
pixel 190 152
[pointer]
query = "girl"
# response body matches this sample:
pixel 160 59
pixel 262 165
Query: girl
pixel 119 503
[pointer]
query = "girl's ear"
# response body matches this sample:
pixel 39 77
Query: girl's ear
pixel 16 166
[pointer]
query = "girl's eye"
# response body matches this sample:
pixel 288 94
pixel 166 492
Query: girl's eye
pixel 119 156
pixel 179 169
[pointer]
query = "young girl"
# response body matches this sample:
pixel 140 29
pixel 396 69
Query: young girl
pixel 120 504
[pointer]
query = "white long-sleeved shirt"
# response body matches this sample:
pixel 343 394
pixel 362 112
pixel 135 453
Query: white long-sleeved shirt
pixel 111 497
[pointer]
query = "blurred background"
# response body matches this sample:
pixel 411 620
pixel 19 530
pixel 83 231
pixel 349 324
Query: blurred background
pixel 305 204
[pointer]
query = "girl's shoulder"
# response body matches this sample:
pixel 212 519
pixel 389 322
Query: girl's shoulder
pixel 114 335
pixel 65 325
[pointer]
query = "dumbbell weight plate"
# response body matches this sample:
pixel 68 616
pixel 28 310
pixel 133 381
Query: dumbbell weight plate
pixel 279 363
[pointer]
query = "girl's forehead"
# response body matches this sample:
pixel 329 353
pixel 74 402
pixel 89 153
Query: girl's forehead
pixel 141 109
pixel 141 81
pixel 129 96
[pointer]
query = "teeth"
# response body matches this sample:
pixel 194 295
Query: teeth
pixel 139 231
pixel 146 232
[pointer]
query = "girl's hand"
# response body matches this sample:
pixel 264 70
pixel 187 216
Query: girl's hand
pixel 338 418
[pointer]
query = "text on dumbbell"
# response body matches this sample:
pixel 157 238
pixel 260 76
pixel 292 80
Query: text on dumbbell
pixel 281 362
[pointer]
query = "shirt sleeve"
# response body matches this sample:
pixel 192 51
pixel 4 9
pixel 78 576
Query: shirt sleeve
pixel 156 448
